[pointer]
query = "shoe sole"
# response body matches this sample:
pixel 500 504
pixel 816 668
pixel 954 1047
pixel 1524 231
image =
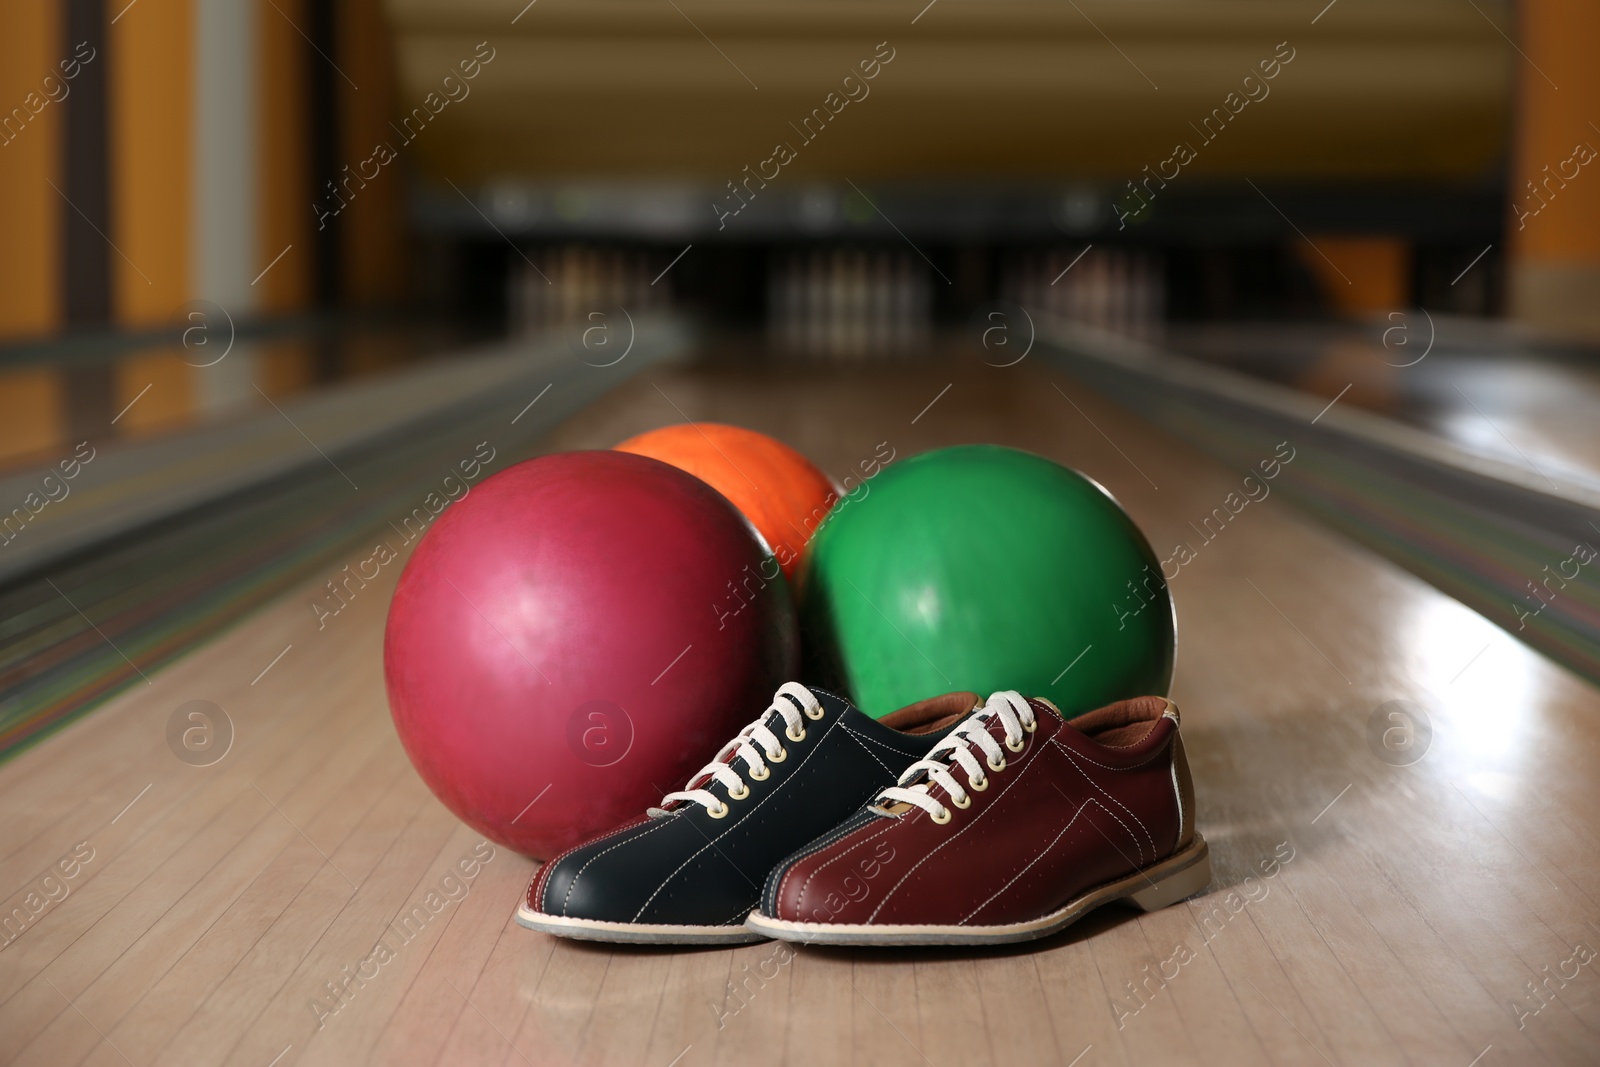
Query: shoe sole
pixel 1150 889
pixel 633 933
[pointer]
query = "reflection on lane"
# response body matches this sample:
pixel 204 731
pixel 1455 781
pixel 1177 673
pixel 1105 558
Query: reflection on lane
pixel 1487 693
pixel 47 404
pixel 1482 386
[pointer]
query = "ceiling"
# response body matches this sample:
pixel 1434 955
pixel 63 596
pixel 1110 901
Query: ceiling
pixel 693 91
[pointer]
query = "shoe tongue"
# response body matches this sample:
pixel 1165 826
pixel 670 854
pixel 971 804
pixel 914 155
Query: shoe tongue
pixel 991 725
pixel 934 716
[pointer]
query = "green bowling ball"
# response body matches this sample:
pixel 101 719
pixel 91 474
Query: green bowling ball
pixel 980 567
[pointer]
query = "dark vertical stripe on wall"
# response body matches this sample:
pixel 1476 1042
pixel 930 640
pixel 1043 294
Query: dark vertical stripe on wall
pixel 322 127
pixel 86 224
pixel 86 261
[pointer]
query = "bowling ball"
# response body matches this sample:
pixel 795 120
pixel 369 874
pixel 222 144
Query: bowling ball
pixel 558 655
pixel 985 568
pixel 783 495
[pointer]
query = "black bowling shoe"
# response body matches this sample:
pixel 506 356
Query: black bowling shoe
pixel 689 871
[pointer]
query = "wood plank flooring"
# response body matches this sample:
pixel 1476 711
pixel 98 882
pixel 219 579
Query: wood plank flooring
pixel 1363 913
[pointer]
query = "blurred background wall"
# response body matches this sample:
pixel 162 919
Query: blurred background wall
pixel 261 169
pixel 1555 254
pixel 155 159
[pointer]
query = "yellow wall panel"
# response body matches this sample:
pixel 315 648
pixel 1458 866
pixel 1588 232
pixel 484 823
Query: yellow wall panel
pixel 1555 199
pixel 151 93
pixel 1553 219
pixel 30 151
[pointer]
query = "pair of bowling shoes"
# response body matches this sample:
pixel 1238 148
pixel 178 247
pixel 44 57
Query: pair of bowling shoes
pixel 952 821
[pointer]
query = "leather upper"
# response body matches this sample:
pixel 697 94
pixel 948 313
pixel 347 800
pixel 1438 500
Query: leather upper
pixel 687 868
pixel 1080 805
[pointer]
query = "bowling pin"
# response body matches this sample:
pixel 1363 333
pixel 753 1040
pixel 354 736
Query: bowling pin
pixel 793 281
pixel 879 338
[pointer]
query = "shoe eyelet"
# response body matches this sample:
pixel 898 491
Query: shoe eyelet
pixel 817 714
pixel 1031 725
pixel 963 803
pixel 760 775
pixel 977 785
pixel 743 792
pixel 719 812
pixel 993 766
pixel 944 820
pixel 791 735
pixel 778 757
pixel 1021 741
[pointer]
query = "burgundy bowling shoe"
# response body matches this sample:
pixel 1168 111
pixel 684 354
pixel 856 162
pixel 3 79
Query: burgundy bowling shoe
pixel 1015 825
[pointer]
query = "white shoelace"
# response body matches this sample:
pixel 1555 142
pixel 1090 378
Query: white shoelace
pixel 1017 718
pixel 757 745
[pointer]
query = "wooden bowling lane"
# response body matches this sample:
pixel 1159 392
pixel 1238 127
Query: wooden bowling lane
pixel 1363 912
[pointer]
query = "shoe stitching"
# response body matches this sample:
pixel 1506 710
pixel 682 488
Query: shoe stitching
pixel 987 808
pixel 533 884
pixel 756 822
pixel 565 901
pixel 1125 830
pixel 859 740
pixel 736 920
pixel 543 873
pixel 550 865
pixel 841 854
pixel 581 845
pixel 881 744
pixel 843 830
pixel 1177 795
pixel 752 823
pixel 712 841
pixel 1118 803
pixel 827 840
pixel 738 917
pixel 838 833
pixel 1043 854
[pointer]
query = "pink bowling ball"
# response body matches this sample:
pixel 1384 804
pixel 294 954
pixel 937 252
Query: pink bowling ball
pixel 565 644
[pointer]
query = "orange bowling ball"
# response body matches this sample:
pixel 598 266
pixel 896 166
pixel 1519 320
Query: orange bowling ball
pixel 781 492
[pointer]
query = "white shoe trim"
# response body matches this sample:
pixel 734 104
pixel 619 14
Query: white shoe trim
pixel 633 933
